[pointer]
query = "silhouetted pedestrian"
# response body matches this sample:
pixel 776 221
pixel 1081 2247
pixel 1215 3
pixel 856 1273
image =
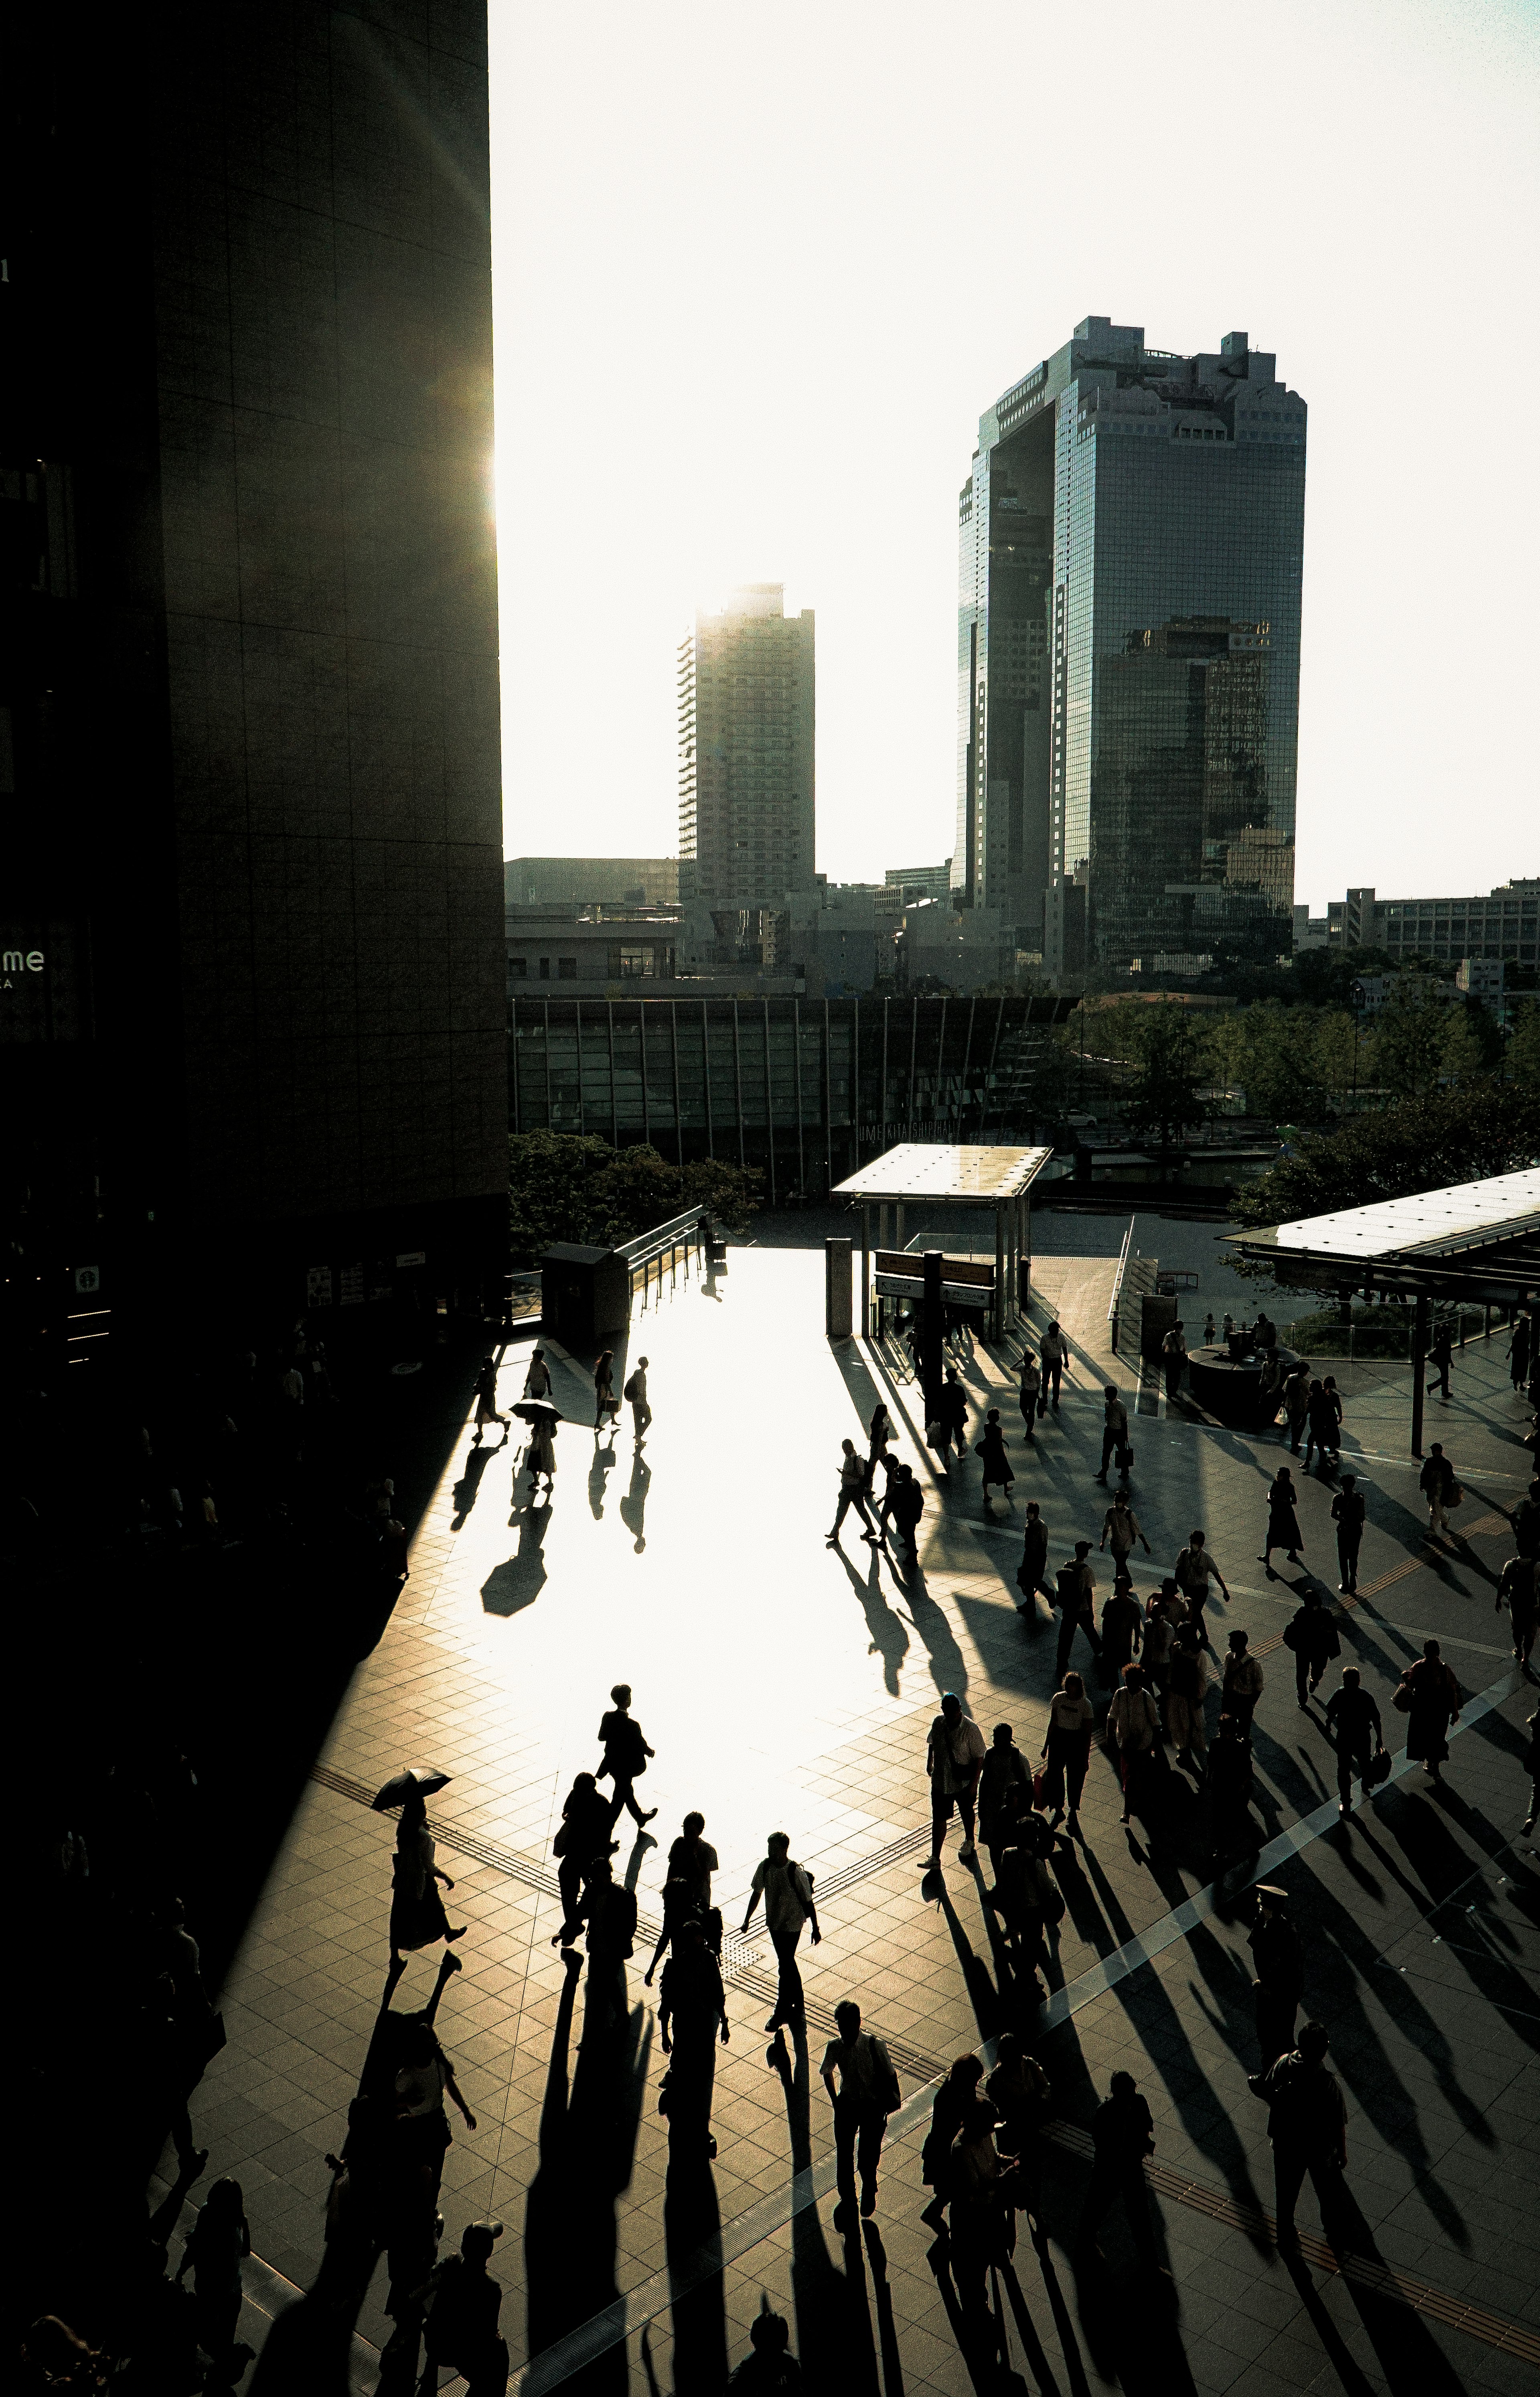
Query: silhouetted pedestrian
pixel 954 1760
pixel 908 1506
pixel 1120 1525
pixel 1122 2134
pixel 1269 1388
pixel 537 1381
pixel 863 2090
pixel 219 2240
pixel 880 1431
pixel 952 1411
pixel 1022 2095
pixel 948 2111
pixel 1440 1356
pixel 1030 1395
pixel 692 2020
pixel 1032 1572
pixel 1194 1569
pixel 605 1401
pixel 1526 1522
pixel 609 1910
pixel 635 1395
pixel 1186 1686
pixel 1282 1521
pixel 1297 1402
pixel 1279 1984
pixel 1353 1723
pixel 625 1754
pixel 852 1493
pixel 486 1400
pixel 461 2332
pixel 417 1916
pixel 541 1456
pixel 1173 1358
pixel 990 1450
pixel 1432 1696
pixel 1307 2124
pixel 1348 1510
pixel 1005 1785
pixel 1313 1637
pixel 1133 1719
pixel 1053 1356
pixel 1323 1423
pixel 981 2215
pixel 1123 1629
pixel 1517 1590
pixel 1067 1746
pixel 1075 1595
pixel 582 1834
pixel 1438 1485
pixel 1243 1681
pixel 787 1893
pixel 1115 1434
pixel 1518 1349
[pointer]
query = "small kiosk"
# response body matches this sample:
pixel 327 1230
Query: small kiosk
pixel 940 1174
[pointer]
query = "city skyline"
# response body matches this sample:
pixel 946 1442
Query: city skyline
pixel 818 433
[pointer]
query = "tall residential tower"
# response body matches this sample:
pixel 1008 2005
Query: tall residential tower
pixel 1128 654
pixel 746 755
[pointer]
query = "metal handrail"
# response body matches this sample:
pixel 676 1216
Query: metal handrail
pixel 694 1223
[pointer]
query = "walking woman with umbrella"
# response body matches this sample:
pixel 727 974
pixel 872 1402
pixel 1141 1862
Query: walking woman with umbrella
pixel 540 1455
pixel 417 1916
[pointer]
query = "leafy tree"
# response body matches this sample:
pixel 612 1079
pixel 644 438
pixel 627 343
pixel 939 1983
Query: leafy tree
pixel 572 1186
pixel 1167 1056
pixel 1523 1051
pixel 1463 1053
pixel 1409 1040
pixel 1425 1144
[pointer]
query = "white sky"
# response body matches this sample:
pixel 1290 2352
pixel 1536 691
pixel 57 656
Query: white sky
pixel 758 272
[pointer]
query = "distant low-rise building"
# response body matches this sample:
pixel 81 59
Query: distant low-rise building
pixel 1504 924
pixel 587 951
pixel 580 882
pixel 1310 932
pixel 963 947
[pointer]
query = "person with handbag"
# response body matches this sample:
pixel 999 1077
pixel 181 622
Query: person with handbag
pixel 1352 1720
pixel 1115 1434
pixel 625 1753
pixel 1066 1746
pixel 863 2090
pixel 1429 1696
pixel 1438 1486
pixel 954 1760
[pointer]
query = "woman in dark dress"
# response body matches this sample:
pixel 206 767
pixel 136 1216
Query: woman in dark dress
pixel 417 1916
pixel 1283 1521
pixel 1435 1696
pixel 991 1449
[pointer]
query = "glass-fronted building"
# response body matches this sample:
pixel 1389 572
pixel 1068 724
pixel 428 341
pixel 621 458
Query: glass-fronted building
pixel 1131 546
pixel 805 1089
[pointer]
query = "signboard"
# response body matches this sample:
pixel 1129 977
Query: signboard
pixel 318 1286
pixel 353 1285
pixel 87 1277
pixel 955 1293
pixel 412 1257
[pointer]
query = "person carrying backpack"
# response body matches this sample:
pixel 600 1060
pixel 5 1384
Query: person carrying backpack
pixel 787 1893
pixel 625 1754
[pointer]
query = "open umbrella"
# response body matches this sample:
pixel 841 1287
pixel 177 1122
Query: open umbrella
pixel 400 1785
pixel 535 1411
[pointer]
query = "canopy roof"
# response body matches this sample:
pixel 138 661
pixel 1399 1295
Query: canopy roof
pixel 1474 1233
pixel 920 1170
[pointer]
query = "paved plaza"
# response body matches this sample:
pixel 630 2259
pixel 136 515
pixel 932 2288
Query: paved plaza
pixel 784 1684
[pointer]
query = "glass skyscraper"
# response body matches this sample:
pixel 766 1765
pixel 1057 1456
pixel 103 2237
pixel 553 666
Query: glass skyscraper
pixel 746 716
pixel 1128 658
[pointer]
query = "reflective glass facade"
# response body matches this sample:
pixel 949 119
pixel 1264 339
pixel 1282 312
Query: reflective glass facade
pixel 805 1089
pixel 1129 685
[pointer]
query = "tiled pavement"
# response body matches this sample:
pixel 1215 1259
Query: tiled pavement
pixel 783 1683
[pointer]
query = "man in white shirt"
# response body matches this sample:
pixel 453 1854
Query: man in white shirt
pixel 787 1893
pixel 954 1759
pixel 866 2091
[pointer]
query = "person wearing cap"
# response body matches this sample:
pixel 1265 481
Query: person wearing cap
pixel 1352 1719
pixel 1280 1982
pixel 1307 2124
pixel 1347 1512
pixel 954 1759
pixel 463 2303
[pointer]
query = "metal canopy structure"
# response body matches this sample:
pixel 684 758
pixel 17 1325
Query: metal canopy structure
pixel 941 1173
pixel 1474 1241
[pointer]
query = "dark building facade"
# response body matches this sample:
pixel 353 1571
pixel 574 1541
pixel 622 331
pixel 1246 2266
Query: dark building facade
pixel 1131 549
pixel 254 834
pixel 804 1089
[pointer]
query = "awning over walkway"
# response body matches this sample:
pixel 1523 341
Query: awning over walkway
pixel 1476 1240
pixel 920 1170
